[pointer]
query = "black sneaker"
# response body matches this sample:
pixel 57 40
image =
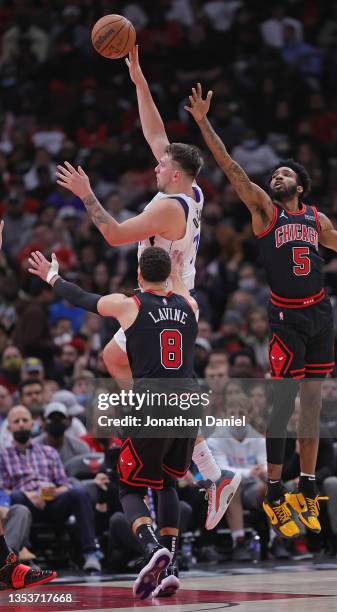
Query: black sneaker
pixel 16 575
pixel 168 582
pixel 242 550
pixel 156 561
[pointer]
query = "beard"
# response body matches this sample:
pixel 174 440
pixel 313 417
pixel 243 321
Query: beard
pixel 283 193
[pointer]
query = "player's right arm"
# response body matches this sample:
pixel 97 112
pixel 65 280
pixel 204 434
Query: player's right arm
pixel 152 123
pixel 255 198
pixel 115 305
pixel 158 219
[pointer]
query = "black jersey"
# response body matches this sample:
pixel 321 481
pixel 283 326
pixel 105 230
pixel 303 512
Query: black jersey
pixel 289 248
pixel 160 342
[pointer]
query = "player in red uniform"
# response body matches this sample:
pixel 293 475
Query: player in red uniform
pixel 300 315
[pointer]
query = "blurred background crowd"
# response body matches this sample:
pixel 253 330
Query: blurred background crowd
pixel 272 68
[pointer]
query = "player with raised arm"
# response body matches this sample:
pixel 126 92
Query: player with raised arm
pixel 300 314
pixel 151 342
pixel 172 221
pixel 13 574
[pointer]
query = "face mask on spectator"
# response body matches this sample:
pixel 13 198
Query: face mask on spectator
pixel 250 144
pixel 11 364
pixel 239 433
pixel 82 398
pixel 56 428
pixel 22 436
pixel 247 284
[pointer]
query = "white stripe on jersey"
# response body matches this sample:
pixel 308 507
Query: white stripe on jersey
pixel 188 245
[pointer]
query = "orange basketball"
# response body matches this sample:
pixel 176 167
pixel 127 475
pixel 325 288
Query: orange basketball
pixel 113 36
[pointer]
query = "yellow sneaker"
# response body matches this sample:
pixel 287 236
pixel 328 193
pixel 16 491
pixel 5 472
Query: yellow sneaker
pixel 306 508
pixel 280 518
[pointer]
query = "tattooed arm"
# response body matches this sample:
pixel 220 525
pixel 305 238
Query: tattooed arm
pixel 255 198
pixel 158 219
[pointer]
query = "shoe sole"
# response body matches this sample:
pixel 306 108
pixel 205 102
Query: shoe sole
pixel 168 587
pixel 31 584
pixel 147 580
pixel 226 496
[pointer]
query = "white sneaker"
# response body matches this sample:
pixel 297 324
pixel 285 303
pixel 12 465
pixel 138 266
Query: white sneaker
pixel 157 561
pixel 219 496
pixel 92 563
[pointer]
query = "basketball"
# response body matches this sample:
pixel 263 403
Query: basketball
pixel 113 36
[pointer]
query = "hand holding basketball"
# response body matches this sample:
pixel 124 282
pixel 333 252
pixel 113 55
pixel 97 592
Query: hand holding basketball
pixel 199 107
pixel 135 70
pixel 74 180
pixel 113 36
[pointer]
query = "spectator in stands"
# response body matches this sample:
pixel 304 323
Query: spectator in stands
pixel 33 472
pixel 258 337
pixel 241 449
pixel 31 396
pixel 10 372
pixel 32 333
pixel 17 520
pixel 74 410
pixel 5 403
pixel 32 369
pixel 56 432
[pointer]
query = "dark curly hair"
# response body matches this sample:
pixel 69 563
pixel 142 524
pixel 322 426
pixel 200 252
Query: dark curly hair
pixel 155 264
pixel 303 177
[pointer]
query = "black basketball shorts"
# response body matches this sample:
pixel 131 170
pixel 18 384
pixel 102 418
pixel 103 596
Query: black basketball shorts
pixel 301 341
pixel 144 461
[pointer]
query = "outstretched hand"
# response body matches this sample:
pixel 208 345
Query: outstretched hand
pixel 132 63
pixel 74 180
pixel 41 267
pixel 199 107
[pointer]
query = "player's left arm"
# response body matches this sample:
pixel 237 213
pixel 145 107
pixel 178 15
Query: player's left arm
pixel 178 285
pixel 328 234
pixel 155 220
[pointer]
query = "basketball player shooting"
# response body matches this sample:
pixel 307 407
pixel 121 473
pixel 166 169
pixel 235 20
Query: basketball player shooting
pixel 172 221
pixel 300 315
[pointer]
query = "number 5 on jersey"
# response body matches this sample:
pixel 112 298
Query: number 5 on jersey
pixel 302 261
pixel 171 349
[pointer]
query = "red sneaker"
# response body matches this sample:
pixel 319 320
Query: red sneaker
pixel 16 575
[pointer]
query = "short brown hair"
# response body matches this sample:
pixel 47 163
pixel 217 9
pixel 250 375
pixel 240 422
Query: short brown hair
pixel 155 264
pixel 187 156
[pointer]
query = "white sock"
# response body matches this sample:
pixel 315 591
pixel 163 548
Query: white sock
pixel 205 462
pixel 237 533
pixel 308 475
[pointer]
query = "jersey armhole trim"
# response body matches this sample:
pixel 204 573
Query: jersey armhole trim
pixel 270 226
pixel 318 223
pixel 182 203
pixel 136 301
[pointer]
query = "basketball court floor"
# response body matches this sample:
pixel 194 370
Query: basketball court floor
pixel 284 588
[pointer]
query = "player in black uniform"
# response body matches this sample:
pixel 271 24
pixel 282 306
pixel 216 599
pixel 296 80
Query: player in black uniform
pixel 161 329
pixel 300 314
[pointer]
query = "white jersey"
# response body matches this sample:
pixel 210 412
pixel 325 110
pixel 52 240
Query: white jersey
pixel 188 245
